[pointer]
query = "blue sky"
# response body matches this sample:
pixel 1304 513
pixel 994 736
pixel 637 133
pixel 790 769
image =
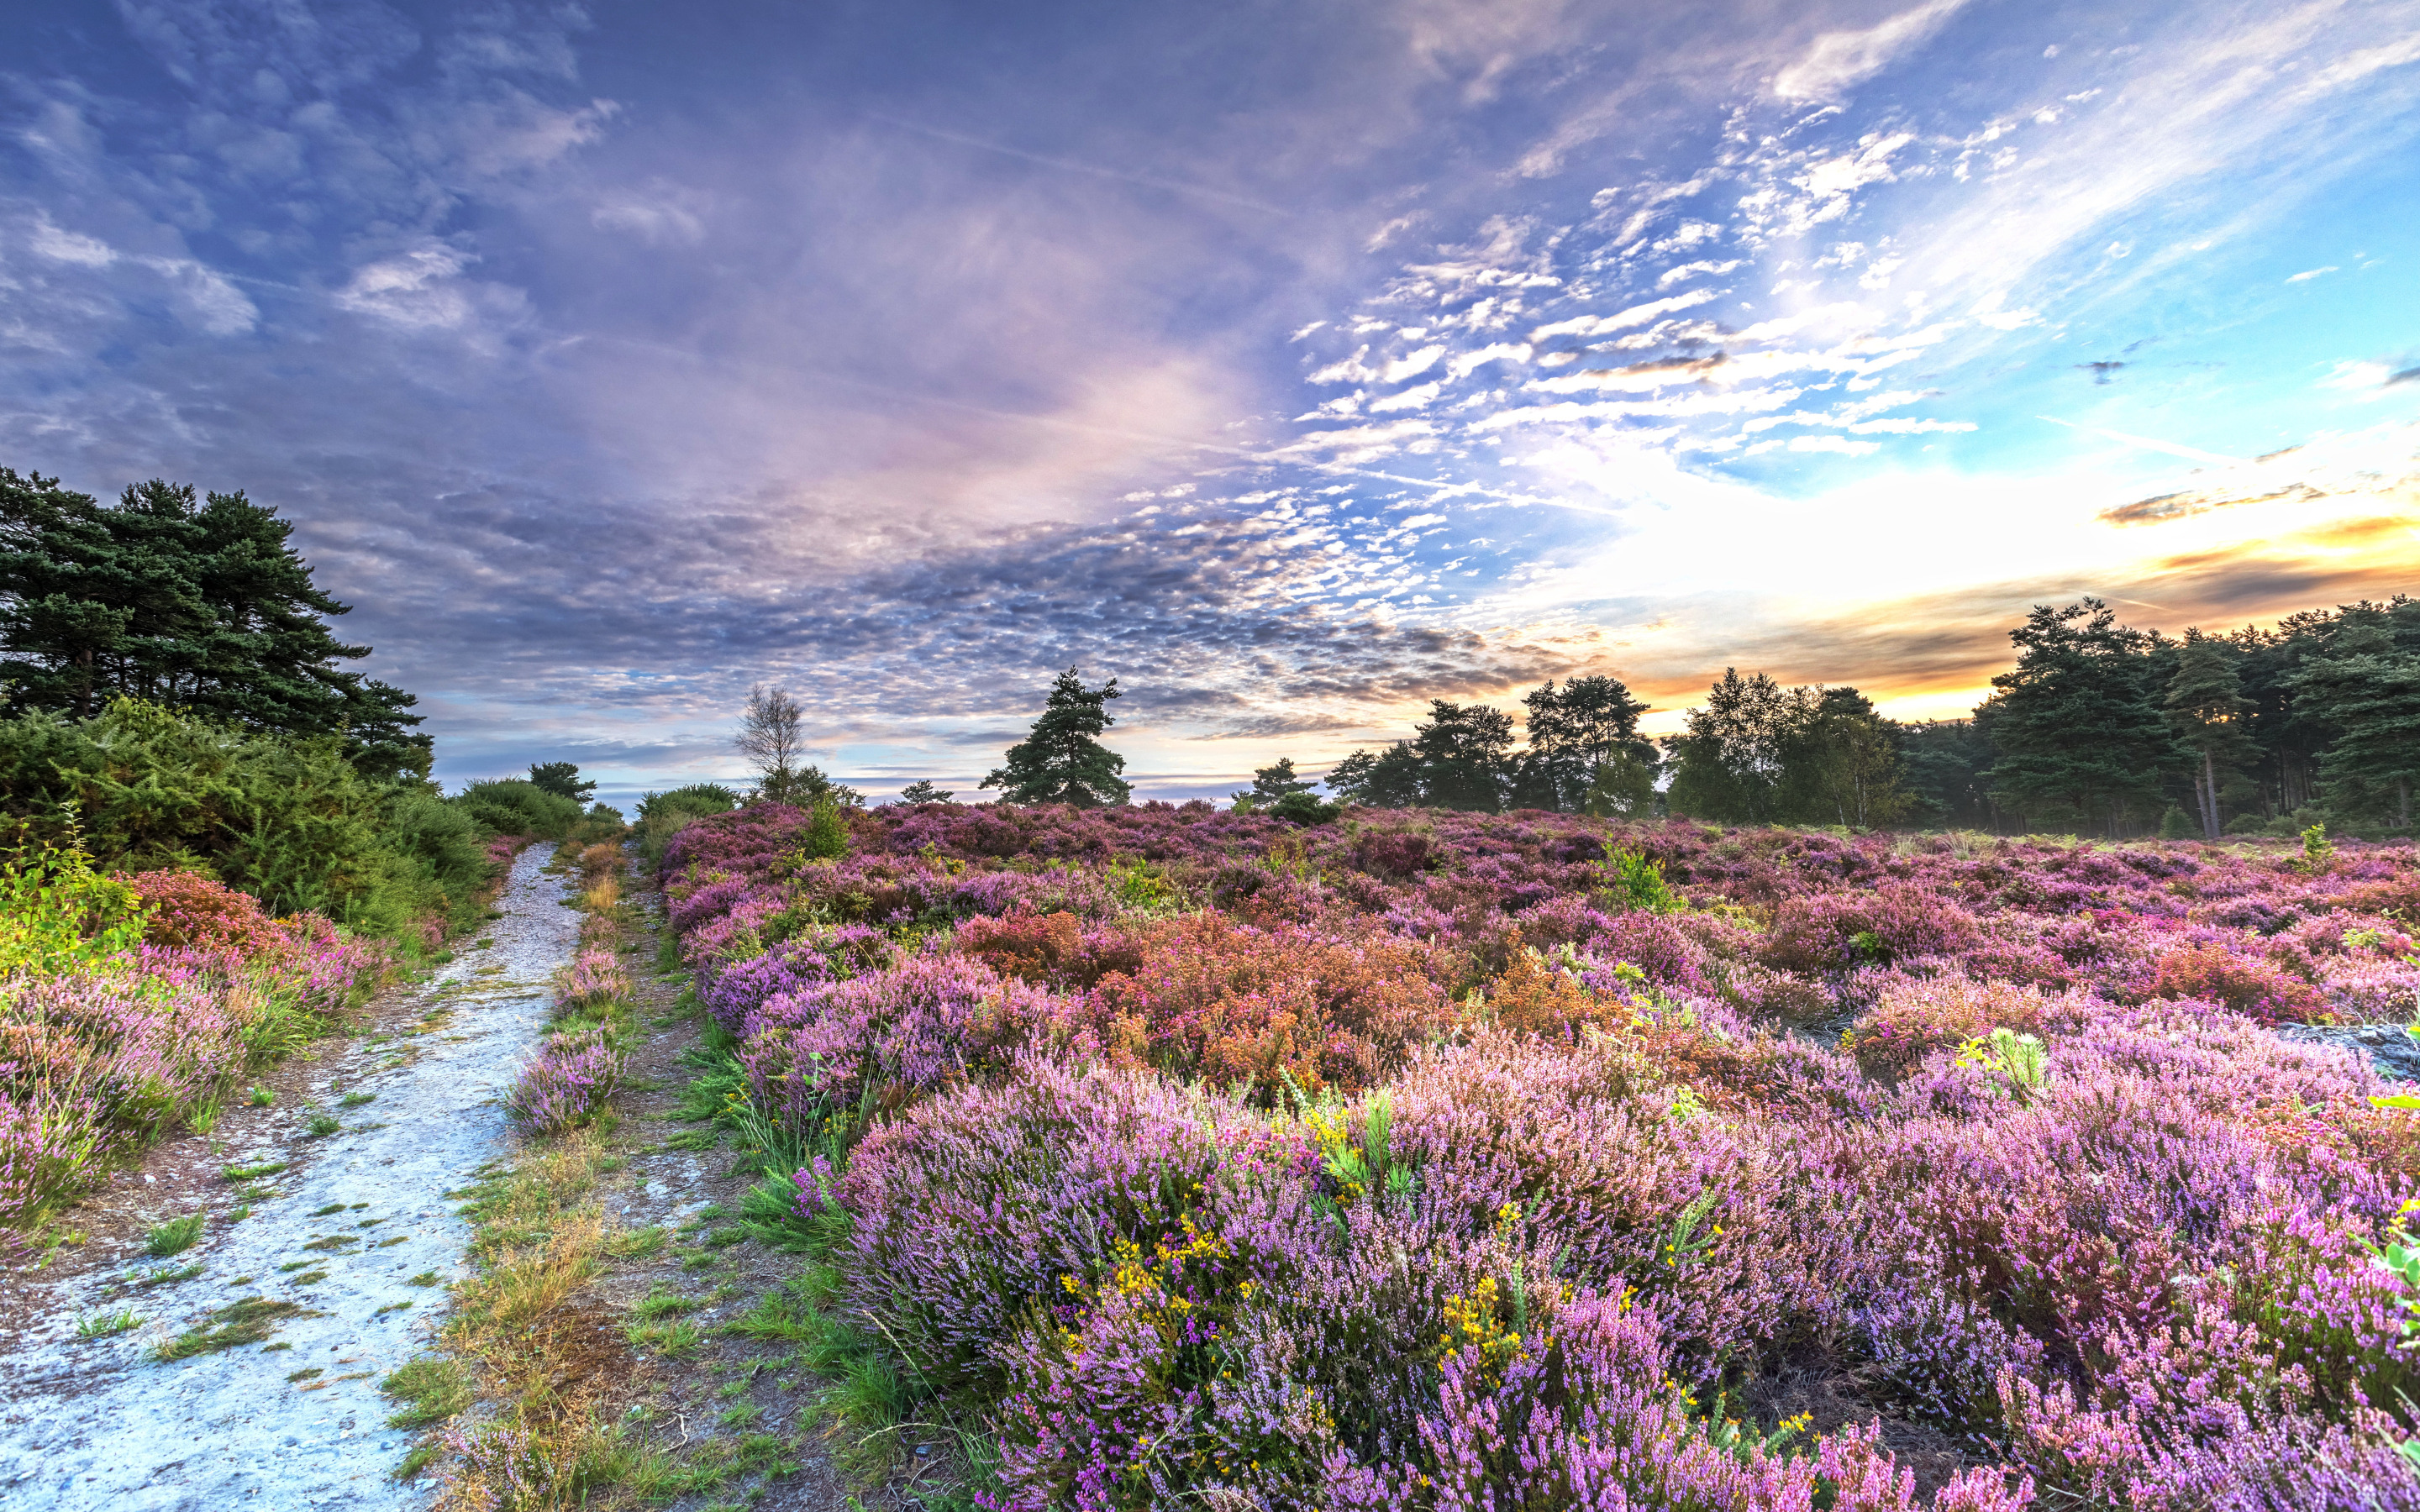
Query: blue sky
pixel 1296 366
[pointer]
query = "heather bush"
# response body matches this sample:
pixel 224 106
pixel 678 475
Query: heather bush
pixel 1238 1004
pixel 1915 1017
pixel 102 1053
pixel 1422 1161
pixel 565 1082
pixel 593 980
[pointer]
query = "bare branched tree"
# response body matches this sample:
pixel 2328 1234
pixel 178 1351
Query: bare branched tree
pixel 769 736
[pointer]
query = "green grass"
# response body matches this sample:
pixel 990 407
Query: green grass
pixel 323 1125
pixel 426 1278
pixel 103 1325
pixel 310 1278
pixel 676 1339
pixel 260 1097
pixel 637 1244
pixel 432 1388
pixel 305 1375
pixel 421 1456
pixel 252 1173
pixel 334 1242
pixel 166 1276
pixel 247 1322
pixel 174 1237
pixel 354 1100
pixel 662 1303
pixel 323 1212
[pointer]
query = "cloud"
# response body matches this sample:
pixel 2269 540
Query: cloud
pixel 1842 60
pixel 656 215
pixel 421 290
pixel 2309 273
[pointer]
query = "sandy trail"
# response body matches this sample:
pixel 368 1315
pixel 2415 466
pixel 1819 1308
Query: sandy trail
pixel 92 1424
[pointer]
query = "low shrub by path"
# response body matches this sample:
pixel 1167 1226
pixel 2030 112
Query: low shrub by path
pixel 101 1052
pixel 1432 1160
pixel 235 1357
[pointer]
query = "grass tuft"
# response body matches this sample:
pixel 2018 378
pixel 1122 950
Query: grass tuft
pixel 433 1387
pixel 104 1325
pixel 247 1322
pixel 174 1237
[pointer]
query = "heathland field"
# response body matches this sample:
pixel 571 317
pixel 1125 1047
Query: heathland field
pixel 1174 1156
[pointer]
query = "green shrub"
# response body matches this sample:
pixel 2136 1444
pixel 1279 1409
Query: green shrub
pixel 58 913
pixel 826 834
pixel 517 807
pixel 663 815
pixel 289 820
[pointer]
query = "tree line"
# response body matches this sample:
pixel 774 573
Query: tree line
pixel 2099 728
pixel 171 696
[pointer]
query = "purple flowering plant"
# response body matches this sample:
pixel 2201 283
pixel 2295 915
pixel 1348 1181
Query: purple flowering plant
pixel 1426 1160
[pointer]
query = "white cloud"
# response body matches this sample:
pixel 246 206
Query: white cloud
pixel 418 291
pixel 1840 60
pixel 1834 443
pixel 59 246
pixel 2309 273
pixel 204 300
pixel 1638 314
pixel 655 216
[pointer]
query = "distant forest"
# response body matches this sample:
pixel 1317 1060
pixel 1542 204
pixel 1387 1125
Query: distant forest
pixel 2099 728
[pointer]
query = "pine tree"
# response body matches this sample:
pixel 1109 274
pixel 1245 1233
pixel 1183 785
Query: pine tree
pixel 562 779
pixel 1573 730
pixel 2079 733
pixel 1389 780
pixel 1464 754
pixel 201 606
pixel 1271 786
pixel 2370 692
pixel 1061 762
pixel 1727 759
pixel 2206 704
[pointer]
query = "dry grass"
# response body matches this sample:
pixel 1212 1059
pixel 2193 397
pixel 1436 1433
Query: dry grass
pixel 522 1332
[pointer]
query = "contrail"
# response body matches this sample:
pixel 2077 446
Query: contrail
pixel 2189 453
pixel 1171 185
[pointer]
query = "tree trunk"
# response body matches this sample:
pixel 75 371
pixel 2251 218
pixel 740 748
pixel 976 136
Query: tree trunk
pixel 2209 795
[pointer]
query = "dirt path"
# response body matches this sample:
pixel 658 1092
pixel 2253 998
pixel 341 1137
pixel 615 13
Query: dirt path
pixel 344 1247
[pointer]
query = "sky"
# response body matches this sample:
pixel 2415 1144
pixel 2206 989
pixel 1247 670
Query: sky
pixel 1295 365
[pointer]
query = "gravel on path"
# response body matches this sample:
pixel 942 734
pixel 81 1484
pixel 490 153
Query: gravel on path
pixel 351 1235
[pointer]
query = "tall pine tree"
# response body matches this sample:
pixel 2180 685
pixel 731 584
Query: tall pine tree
pixel 200 605
pixel 2369 690
pixel 2080 735
pixel 1575 730
pixel 2206 704
pixel 1062 761
pixel 1466 756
